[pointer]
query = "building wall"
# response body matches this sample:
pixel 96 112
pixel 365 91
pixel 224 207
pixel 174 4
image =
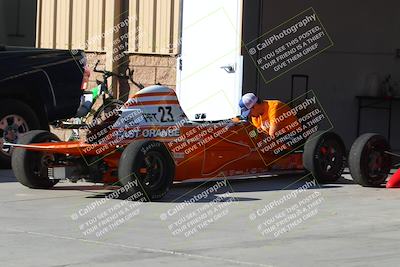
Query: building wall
pixel 153 69
pixel 79 24
pixel 139 34
pixel 365 35
pixel 17 22
pixel 142 34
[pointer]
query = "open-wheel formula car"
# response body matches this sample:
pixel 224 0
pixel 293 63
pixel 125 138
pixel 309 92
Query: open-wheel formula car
pixel 150 143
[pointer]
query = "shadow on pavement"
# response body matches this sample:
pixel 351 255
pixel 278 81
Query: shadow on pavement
pixel 85 187
pixel 185 191
pixel 7 176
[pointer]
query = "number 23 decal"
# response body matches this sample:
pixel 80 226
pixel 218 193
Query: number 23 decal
pixel 166 114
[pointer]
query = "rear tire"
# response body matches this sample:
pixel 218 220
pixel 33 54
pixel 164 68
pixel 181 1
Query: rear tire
pixel 369 165
pixel 325 156
pixel 16 118
pixel 146 168
pixel 28 166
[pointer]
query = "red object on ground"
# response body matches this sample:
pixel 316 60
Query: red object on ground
pixel 394 182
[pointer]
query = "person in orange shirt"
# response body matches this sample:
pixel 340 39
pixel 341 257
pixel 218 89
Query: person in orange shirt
pixel 268 116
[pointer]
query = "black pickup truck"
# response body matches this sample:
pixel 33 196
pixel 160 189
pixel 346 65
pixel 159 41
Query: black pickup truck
pixel 37 87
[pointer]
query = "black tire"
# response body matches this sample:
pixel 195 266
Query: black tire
pixel 368 164
pixel 10 111
pixel 325 156
pixel 28 165
pixel 153 182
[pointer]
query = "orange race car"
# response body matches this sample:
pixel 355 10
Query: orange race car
pixel 149 143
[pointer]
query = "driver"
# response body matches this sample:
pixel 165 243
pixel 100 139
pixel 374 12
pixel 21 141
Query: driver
pixel 268 116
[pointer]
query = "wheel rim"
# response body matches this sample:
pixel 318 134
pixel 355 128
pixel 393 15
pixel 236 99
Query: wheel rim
pixel 11 128
pixel 152 170
pixel 330 157
pixel 40 167
pixel 377 163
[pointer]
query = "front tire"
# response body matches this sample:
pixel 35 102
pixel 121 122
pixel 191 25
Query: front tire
pixel 369 164
pixel 30 167
pixel 325 156
pixel 146 167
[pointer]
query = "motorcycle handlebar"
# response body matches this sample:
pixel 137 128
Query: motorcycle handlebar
pixel 122 76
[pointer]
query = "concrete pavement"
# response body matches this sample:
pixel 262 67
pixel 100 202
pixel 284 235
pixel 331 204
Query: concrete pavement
pixel 258 222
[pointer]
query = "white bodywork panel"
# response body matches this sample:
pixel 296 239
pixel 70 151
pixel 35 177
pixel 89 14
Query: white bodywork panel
pixel 152 106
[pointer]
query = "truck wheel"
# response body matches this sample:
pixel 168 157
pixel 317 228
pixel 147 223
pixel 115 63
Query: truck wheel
pixel 30 167
pixel 369 164
pixel 146 169
pixel 16 118
pixel 325 156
